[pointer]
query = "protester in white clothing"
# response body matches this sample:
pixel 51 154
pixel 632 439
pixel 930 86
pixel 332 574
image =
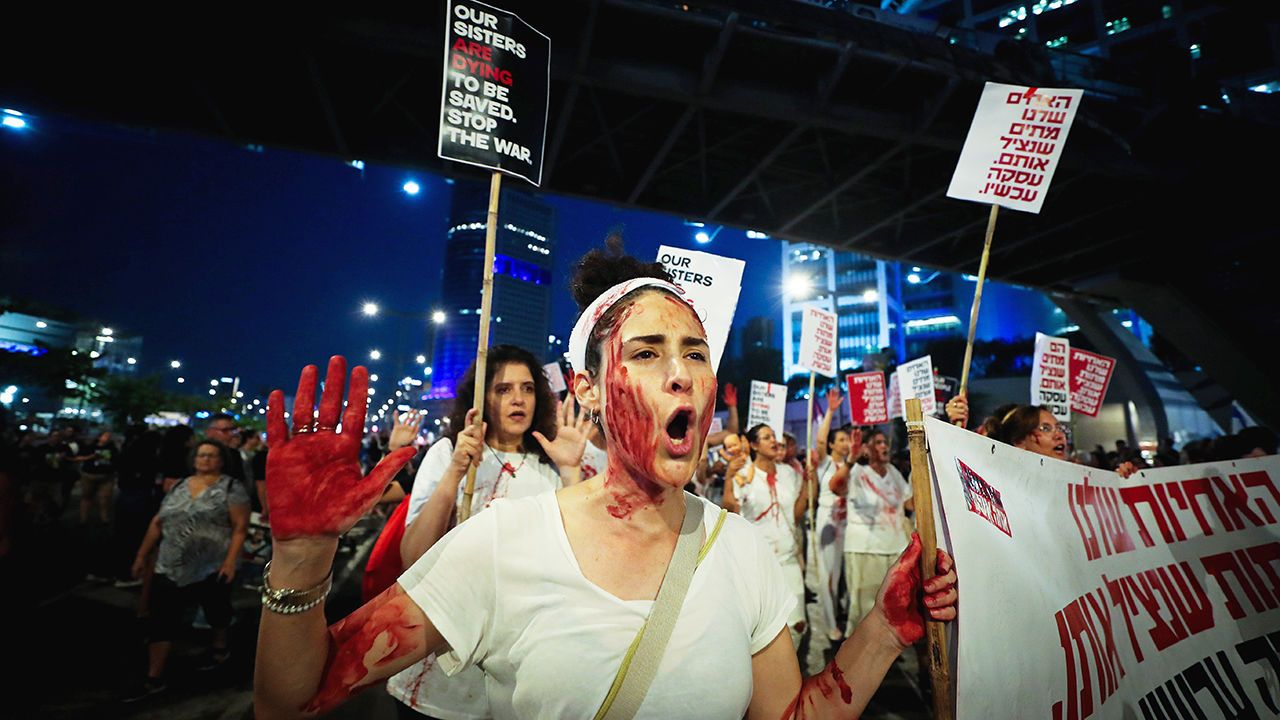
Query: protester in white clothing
pixel 547 593
pixel 834 452
pixel 876 497
pixel 772 497
pixel 512 462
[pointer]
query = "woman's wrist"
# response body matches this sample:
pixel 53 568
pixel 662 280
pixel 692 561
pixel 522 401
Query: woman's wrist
pixel 302 562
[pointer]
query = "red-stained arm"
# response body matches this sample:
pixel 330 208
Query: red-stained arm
pixel 843 688
pixel 304 668
pixel 839 483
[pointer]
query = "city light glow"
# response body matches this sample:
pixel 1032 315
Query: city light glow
pixel 16 123
pixel 871 296
pixel 175 364
pixel 420 359
pixel 412 188
pixel 438 317
pixel 370 309
pixel 375 354
pixel 798 286
pixel 702 237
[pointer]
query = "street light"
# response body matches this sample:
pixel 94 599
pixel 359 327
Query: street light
pixel 375 354
pixel 107 331
pixel 370 309
pixel 175 364
pixel 411 188
pixel 798 286
pixel 438 317
pixel 421 359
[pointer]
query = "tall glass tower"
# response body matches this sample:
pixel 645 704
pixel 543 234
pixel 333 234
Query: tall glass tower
pixel 521 279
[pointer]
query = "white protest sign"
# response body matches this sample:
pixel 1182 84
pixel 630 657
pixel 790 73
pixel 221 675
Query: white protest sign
pixel 818 341
pixel 1049 375
pixel 1085 595
pixel 555 377
pixel 1014 145
pixel 915 380
pixel 711 285
pixel 768 405
pixel 894 400
pixel 717 425
pixel 493 101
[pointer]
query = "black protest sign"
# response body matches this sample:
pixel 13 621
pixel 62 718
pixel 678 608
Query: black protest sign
pixel 493 106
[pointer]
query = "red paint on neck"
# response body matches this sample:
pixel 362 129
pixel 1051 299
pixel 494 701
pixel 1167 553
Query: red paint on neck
pixel 821 688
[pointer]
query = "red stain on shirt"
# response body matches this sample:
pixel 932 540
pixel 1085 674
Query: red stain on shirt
pixel 774 507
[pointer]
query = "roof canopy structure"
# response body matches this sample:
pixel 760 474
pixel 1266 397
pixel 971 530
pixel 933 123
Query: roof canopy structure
pixel 833 123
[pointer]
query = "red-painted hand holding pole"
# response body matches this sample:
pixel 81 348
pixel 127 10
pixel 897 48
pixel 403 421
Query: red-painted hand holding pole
pixel 314 482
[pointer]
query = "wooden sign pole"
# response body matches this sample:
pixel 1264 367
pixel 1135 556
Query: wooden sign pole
pixel 810 467
pixel 922 492
pixel 977 299
pixel 482 345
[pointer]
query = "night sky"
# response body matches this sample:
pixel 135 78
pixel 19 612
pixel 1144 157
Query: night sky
pixel 247 263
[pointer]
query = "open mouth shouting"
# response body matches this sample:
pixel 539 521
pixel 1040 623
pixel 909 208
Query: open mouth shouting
pixel 678 437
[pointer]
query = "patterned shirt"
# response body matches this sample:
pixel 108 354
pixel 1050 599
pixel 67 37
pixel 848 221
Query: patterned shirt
pixel 196 532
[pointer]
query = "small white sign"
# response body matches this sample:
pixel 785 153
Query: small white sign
pixel 1014 145
pixel 768 405
pixel 554 377
pixel 711 284
pixel 818 341
pixel 915 380
pixel 1049 381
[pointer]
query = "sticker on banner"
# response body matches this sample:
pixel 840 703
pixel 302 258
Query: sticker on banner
pixel 983 499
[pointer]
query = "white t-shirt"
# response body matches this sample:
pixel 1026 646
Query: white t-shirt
pixel 826 471
pixel 877 523
pixel 506 592
pixel 770 506
pixel 424 686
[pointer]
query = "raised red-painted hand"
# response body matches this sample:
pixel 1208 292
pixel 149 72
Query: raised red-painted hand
pixel 901 598
pixel 314 484
pixel 730 395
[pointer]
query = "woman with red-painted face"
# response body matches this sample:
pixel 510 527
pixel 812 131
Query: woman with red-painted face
pixel 547 593
pixel 516 459
pixel 772 497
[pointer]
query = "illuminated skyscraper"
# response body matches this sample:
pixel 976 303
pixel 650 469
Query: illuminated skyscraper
pixel 521 279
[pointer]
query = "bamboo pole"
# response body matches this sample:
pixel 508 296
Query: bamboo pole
pixel 922 492
pixel 977 299
pixel 810 467
pixel 482 345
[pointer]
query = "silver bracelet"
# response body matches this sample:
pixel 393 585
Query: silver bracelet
pixel 287 601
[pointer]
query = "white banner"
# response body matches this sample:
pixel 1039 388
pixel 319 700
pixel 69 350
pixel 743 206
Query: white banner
pixel 711 284
pixel 768 405
pixel 818 341
pixel 1084 595
pixel 1049 375
pixel 1014 145
pixel 915 380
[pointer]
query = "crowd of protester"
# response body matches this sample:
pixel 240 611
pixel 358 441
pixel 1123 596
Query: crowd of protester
pixel 176 504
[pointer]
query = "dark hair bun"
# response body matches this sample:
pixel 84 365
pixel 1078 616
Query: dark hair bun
pixel 601 269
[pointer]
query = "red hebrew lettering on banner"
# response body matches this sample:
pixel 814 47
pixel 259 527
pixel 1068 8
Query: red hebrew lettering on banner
pixel 1090 375
pixel 1152 596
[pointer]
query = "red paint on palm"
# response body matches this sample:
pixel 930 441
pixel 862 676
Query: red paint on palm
pixel 900 595
pixel 823 689
pixel 376 635
pixel 314 482
pixel 730 395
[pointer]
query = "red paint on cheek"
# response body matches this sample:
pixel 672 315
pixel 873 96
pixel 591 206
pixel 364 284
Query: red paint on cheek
pixel 380 622
pixel 821 688
pixel 632 441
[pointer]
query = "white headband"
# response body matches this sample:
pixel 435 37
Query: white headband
pixel 589 317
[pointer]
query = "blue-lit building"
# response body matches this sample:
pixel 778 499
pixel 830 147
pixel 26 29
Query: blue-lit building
pixel 897 308
pixel 521 279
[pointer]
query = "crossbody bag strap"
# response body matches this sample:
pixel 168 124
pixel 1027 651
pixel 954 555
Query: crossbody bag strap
pixel 640 665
